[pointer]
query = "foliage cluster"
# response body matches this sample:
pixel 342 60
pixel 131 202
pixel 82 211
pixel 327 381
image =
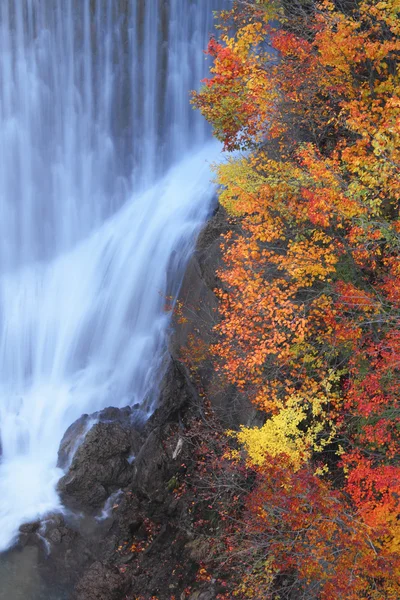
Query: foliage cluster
pixel 307 96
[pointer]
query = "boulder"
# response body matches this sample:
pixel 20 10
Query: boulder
pixel 100 465
pixel 76 432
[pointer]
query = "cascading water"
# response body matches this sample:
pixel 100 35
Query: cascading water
pixel 103 183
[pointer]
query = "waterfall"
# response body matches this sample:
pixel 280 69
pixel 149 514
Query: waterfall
pixel 104 182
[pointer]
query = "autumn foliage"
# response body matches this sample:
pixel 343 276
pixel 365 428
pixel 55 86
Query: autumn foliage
pixel 307 95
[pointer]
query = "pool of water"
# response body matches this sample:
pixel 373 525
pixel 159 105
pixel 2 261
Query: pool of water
pixel 20 577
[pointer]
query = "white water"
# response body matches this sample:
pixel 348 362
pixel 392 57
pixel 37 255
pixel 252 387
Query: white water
pixel 104 182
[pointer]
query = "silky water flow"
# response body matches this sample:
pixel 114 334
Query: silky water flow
pixel 104 182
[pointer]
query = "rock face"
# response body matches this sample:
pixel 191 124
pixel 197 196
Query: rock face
pixel 199 311
pixel 100 465
pixel 197 294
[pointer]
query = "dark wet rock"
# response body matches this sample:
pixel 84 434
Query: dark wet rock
pixel 101 582
pixel 72 438
pixel 76 433
pixel 28 533
pixel 114 415
pixel 30 527
pixel 55 536
pixel 177 393
pixel 164 447
pixel 154 465
pixel 53 520
pixel 100 466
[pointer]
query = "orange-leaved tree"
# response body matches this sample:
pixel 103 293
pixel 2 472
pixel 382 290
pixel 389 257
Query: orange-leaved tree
pixel 310 305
